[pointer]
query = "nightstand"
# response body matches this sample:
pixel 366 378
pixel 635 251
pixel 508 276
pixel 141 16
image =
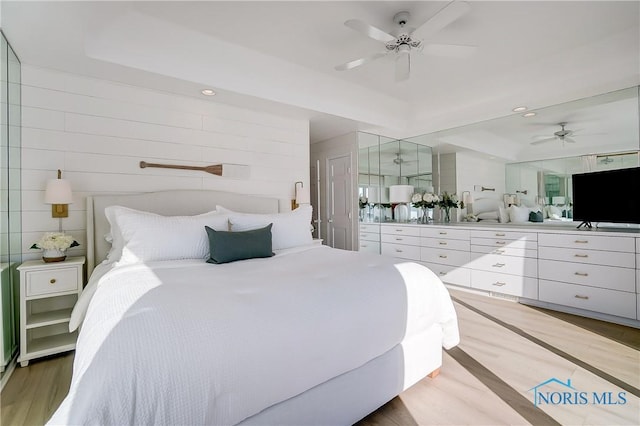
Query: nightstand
pixel 48 292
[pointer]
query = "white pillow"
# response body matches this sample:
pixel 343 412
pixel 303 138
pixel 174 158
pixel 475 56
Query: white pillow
pixel 290 229
pixel 519 214
pixel 488 215
pixel 553 212
pixel 115 236
pixel 143 236
pixel 503 215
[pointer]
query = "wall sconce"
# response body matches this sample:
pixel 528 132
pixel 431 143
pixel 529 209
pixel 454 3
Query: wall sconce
pixel 58 194
pixel 510 199
pixel 478 188
pixel 302 195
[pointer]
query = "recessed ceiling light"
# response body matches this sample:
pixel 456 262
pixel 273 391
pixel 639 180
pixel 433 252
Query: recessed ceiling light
pixel 519 109
pixel 529 114
pixel 208 92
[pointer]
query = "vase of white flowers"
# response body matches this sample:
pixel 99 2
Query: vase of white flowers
pixel 426 202
pixel 54 246
pixel 448 201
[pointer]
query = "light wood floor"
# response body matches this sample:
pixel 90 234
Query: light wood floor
pixel 506 349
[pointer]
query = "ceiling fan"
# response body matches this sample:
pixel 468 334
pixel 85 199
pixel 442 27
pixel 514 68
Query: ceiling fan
pixel 563 135
pixel 405 40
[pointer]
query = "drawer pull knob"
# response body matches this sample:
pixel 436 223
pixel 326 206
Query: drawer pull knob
pixel 501 243
pixel 52 281
pixel 398 230
pixel 398 239
pixel 498 265
pixel 500 235
pixel 581 274
pixel 582 241
pixel 577 296
pixel 442 233
pixel 498 251
pixel 581 255
pixel 499 284
pixel 363 245
pixel 442 256
pixel 398 251
pixel 442 243
pixel 442 273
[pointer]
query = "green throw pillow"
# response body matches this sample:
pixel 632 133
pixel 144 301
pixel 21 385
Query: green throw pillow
pixel 536 217
pixel 225 247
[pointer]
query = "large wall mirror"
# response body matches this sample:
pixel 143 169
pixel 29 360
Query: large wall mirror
pixel 384 163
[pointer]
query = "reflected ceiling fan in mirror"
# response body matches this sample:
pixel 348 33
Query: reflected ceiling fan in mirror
pixel 563 135
pixel 404 40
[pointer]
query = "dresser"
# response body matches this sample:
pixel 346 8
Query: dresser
pixel 369 238
pixel 505 262
pixel 446 252
pixel 594 273
pixel 48 293
pixel 401 241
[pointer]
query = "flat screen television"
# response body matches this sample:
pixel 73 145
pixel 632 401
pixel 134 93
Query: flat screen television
pixel 607 196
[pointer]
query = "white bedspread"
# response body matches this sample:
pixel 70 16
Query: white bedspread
pixel 187 342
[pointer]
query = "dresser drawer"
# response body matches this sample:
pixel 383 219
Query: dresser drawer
pixel 449 233
pixel 369 236
pixel 514 265
pixel 445 256
pixel 51 281
pixel 400 230
pixel 462 245
pixel 369 228
pixel 611 302
pixel 401 250
pixel 401 239
pixel 505 235
pixel 608 277
pixel 451 274
pixel 595 257
pixel 496 242
pixel 505 251
pixel 370 246
pixel 515 285
pixel 589 242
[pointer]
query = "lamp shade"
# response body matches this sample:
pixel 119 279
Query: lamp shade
pixel 58 192
pixel 374 194
pixel 558 200
pixel 302 195
pixel 400 193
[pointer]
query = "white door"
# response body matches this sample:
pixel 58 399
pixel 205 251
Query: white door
pixel 339 202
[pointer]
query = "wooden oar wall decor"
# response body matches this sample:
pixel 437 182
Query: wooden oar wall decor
pixel 226 170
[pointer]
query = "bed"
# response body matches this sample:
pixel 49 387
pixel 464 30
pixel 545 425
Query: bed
pixel 311 335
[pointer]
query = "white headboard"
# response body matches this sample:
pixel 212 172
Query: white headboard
pixel 168 203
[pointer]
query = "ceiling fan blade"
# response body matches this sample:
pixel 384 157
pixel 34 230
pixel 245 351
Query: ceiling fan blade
pixel 357 62
pixel 444 17
pixel 369 30
pixel 403 66
pixel 449 50
pixel 543 141
pixel 568 139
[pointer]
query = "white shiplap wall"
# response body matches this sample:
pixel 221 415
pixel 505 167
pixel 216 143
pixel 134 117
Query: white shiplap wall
pixel 98 131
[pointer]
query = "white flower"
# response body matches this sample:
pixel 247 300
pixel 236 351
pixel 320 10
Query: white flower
pixel 416 198
pixel 429 198
pixel 435 198
pixel 363 200
pixel 55 241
